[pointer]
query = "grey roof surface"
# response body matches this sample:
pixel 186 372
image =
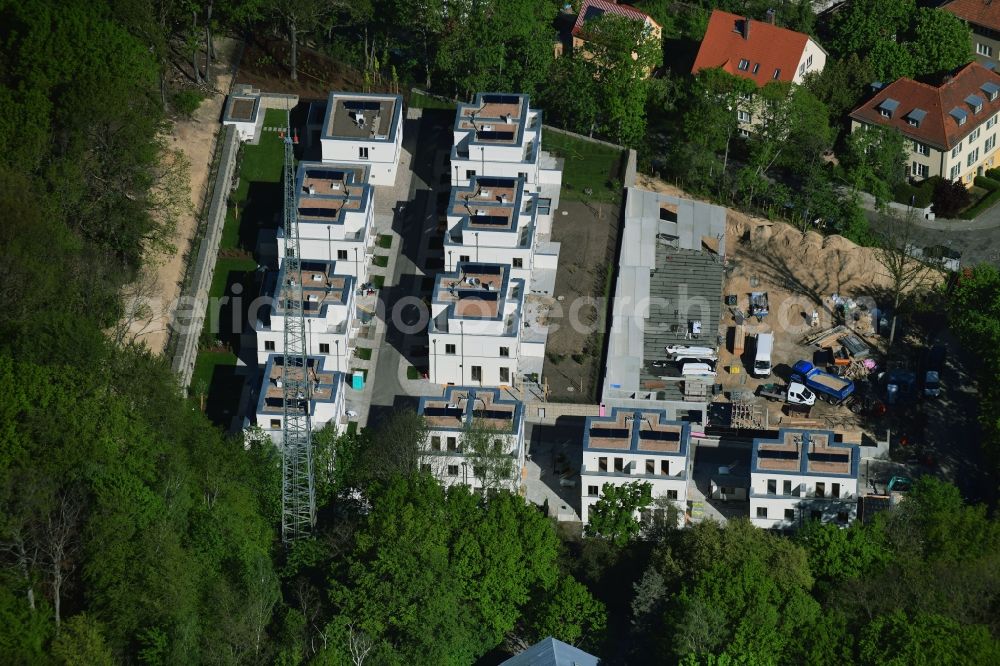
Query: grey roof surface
pixel 552 652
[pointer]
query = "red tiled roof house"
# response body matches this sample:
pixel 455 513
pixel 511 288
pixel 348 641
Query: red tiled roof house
pixel 983 17
pixel 591 9
pixel 952 127
pixel 757 50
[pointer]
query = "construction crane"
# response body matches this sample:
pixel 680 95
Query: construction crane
pixel 298 494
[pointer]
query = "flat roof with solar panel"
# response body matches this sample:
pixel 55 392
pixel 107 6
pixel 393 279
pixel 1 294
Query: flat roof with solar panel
pixel 805 452
pixel 638 431
pixel 473 291
pixel 462 406
pixel 325 191
pixel 494 118
pixel 323 384
pixel 362 116
pixel 488 203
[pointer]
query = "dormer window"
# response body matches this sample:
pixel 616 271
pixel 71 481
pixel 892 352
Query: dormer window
pixel 744 65
pixel 915 117
pixel 975 102
pixel 959 115
pixel 888 107
pixel 991 90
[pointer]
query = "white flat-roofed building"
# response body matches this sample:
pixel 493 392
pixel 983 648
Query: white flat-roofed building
pixel 493 220
pixel 243 110
pixel 630 445
pixel 803 475
pixel 477 331
pixel 325 403
pixel 499 135
pixel 364 128
pixel 336 214
pixel 328 302
pixel 477 412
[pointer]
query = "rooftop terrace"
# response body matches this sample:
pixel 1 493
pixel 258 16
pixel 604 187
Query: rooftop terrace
pixel 322 384
pixel 324 191
pixel 805 452
pixel 320 286
pixel 361 117
pixel 636 430
pixel 495 118
pixel 488 204
pixel 242 108
pixel 476 290
pixel 460 406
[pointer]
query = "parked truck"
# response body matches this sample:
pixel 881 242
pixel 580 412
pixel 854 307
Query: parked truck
pixel 793 394
pixel 829 388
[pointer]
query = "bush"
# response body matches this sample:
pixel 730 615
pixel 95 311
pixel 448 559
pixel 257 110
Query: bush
pixel 983 204
pixel 993 173
pixel 918 196
pixel 987 183
pixel 950 198
pixel 186 102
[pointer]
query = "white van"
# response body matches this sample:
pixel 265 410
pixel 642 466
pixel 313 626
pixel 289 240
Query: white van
pixel 762 355
pixel 697 370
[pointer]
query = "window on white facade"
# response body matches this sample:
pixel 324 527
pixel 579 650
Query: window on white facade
pixel 505 352
pixel 275 424
pixel 593 491
pixel 469 173
pixel 835 490
pixel 974 134
pixel 991 122
pixel 820 489
pixel 984 50
pixel 920 170
pixel 452 444
pixel 921 148
pixel 786 487
pixel 956 150
pixel 523 174
pixel 463 257
pixel 324 348
pixel 743 116
pixel 650 466
pixel 619 464
pixel 435 443
pixel 809 62
pixel 744 65
pixel 452 470
pixel 802 69
pixel 425 468
pixel 477 373
pixel 449 349
pixel 602 464
pixel 954 171
pixel 363 152
pixel 269 345
pixel 341 254
pixel 665 467
pixel 518 262
pixel 772 487
pixel 762 512
pixel 504 375
pixel 972 158
pixel 672 494
pixel 842 517
pixel 990 143
pixel 789 514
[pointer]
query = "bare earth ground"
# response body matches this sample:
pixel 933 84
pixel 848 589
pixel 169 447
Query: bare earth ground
pixel 195 138
pixel 587 233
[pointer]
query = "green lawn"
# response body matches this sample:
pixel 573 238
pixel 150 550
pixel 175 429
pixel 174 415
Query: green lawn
pixel 412 373
pixel 587 165
pixel 420 101
pixel 385 241
pixel 380 260
pixel 364 353
pixel 378 281
pixel 215 377
pixel 258 196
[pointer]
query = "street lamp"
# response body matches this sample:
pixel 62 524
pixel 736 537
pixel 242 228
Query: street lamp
pixel 449 261
pixel 434 344
pixel 337 343
pixel 477 246
pixel 357 270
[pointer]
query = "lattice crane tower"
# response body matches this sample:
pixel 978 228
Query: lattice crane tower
pixel 298 495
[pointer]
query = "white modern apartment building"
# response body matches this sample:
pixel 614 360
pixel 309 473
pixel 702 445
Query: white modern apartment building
pixel 478 334
pixel 500 135
pixel 496 220
pixel 243 111
pixel 326 400
pixel 328 302
pixel 803 475
pixel 336 216
pixel 485 415
pixel 364 128
pixel 630 445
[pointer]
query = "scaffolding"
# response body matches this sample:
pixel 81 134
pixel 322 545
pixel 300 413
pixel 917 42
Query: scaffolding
pixel 298 495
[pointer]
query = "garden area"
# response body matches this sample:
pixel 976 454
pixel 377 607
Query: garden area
pixel 952 200
pixel 255 204
pixel 591 171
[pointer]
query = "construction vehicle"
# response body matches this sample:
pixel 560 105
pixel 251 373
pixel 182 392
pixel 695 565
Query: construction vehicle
pixel 829 388
pixel 795 393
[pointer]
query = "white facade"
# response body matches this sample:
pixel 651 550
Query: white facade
pixel 492 221
pixel 813 59
pixel 336 214
pixel 244 112
pixel 499 135
pixel 803 475
pixel 328 305
pixel 446 454
pixel 364 128
pixel 636 445
pixel 325 408
pixel 476 332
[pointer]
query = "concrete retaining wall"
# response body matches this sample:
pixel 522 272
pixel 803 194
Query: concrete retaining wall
pixel 189 316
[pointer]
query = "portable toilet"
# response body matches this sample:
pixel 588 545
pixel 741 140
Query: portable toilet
pixel 357 380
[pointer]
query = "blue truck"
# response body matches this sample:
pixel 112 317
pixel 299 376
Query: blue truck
pixel 829 388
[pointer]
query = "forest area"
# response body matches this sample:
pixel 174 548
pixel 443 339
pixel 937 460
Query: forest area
pixel 133 531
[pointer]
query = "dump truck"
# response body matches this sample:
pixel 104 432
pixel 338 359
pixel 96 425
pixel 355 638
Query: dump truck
pixel 829 388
